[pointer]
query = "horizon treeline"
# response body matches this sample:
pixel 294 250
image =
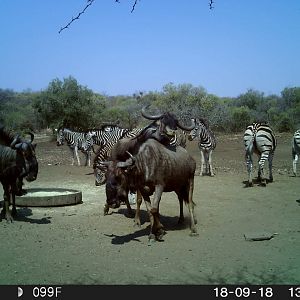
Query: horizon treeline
pixel 67 103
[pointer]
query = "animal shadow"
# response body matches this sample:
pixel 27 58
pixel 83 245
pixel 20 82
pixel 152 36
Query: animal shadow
pixel 23 216
pixel 169 223
pixel 255 181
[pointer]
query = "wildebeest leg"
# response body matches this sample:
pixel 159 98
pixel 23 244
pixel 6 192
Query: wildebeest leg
pixel 181 216
pixel 191 205
pixel 5 210
pixel 137 220
pixel 148 206
pixel 157 228
pixel 13 195
pixel 129 210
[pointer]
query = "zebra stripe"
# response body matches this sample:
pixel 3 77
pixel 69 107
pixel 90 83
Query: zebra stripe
pixel 108 133
pixel 206 143
pixel 76 141
pixel 259 139
pixel 103 152
pixel 296 150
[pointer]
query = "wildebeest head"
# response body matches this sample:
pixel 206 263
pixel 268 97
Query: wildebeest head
pixel 60 137
pixel 167 124
pixel 26 149
pixel 117 185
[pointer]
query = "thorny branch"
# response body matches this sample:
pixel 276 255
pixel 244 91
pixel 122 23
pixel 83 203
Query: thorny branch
pixel 90 2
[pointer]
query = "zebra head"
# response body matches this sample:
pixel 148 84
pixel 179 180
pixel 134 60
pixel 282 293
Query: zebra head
pixel 88 142
pixel 60 137
pixel 201 125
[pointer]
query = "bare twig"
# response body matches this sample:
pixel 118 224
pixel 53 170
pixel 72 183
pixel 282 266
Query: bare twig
pixel 210 3
pixel 90 2
pixel 133 7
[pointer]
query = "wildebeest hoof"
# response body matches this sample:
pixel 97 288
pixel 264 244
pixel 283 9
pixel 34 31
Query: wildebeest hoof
pixel 14 212
pixel 194 233
pixel 151 239
pixel 9 218
pixel 180 221
pixel 137 223
pixel 160 233
pixel 105 209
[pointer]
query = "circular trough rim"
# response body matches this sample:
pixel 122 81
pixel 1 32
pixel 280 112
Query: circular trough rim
pixel 49 201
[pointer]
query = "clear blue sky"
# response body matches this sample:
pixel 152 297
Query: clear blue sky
pixel 238 45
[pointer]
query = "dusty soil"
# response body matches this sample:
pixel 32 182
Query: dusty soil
pixel 79 245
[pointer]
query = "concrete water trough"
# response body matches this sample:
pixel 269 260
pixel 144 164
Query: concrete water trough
pixel 45 197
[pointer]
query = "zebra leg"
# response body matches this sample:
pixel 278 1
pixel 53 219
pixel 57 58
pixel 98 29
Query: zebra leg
pixel 259 171
pixel 295 161
pixel 202 163
pixel 210 164
pixel 270 166
pixel 76 153
pixel 264 156
pixel 249 164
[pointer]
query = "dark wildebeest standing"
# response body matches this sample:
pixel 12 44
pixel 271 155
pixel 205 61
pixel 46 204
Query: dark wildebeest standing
pixel 154 169
pixel 7 136
pixel 163 129
pixel 16 162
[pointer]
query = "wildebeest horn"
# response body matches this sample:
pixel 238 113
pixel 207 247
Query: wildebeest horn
pixel 131 156
pixel 148 116
pixel 185 127
pixel 123 164
pixel 14 142
pixel 31 136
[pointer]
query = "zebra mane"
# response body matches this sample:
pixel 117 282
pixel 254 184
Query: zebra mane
pixel 204 121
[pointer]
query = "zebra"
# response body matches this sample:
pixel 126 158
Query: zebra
pixel 295 150
pixel 103 136
pixel 259 139
pixel 76 141
pixel 206 143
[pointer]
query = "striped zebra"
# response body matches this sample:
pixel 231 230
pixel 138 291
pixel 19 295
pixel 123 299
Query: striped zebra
pixel 107 133
pixel 103 153
pixel 259 139
pixel 76 141
pixel 206 143
pixel 296 150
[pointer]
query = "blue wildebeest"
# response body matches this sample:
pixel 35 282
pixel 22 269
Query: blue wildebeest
pixel 165 128
pixel 16 162
pixel 152 169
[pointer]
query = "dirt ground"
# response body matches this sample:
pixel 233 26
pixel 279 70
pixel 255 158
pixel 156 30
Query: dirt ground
pixel 79 245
